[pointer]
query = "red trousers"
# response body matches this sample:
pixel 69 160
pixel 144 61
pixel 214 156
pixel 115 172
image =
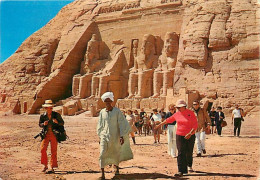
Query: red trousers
pixel 50 137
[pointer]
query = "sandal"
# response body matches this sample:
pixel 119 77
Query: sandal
pixel 50 171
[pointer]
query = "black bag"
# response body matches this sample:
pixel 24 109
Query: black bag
pixel 61 134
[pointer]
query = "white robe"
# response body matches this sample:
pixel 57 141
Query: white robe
pixel 111 126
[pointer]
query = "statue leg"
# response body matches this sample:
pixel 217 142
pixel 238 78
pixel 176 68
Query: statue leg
pixel 140 85
pixel 83 85
pixel 102 86
pixel 156 85
pixel 131 85
pixel 167 81
pixel 94 85
pixel 75 85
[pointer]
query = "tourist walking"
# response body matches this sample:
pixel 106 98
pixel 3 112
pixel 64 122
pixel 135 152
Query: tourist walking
pixel 131 120
pixel 163 114
pixel 51 122
pixel 220 116
pixel 138 122
pixel 171 132
pixel 185 136
pixel 142 112
pixel 156 119
pixel 113 130
pixel 212 115
pixel 147 124
pixel 203 124
pixel 237 117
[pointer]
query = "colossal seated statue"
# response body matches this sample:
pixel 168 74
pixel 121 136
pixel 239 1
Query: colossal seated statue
pixel 91 57
pixel 140 78
pixel 113 77
pixel 90 65
pixel 164 73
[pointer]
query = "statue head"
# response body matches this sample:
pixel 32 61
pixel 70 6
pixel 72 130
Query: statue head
pixel 92 49
pixel 94 37
pixel 135 43
pixel 148 46
pixel 171 43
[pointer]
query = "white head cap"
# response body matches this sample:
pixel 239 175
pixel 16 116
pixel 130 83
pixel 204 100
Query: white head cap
pixel 181 103
pixel 106 95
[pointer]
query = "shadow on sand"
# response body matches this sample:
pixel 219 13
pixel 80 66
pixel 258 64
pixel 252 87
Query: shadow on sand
pixel 188 176
pixel 222 155
pixel 133 176
pixel 226 175
pixel 249 137
pixel 74 172
pixel 144 176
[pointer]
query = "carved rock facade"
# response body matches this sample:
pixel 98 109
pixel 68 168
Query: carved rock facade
pixel 149 53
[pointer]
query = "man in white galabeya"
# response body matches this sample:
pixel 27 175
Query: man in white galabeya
pixel 113 130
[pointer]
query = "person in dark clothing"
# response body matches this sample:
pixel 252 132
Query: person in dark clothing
pixel 237 117
pixel 212 115
pixel 185 136
pixel 219 117
pixel 50 121
pixel 163 114
pixel 142 112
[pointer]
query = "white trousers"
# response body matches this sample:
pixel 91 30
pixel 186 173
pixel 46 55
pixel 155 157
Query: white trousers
pixel 200 141
pixel 171 133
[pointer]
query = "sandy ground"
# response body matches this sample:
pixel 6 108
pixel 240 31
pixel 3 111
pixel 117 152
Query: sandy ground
pixel 227 157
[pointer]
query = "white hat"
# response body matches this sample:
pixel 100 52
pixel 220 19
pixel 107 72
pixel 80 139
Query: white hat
pixel 181 103
pixel 106 95
pixel 48 103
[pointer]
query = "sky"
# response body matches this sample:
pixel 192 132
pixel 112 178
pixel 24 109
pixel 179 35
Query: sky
pixel 21 18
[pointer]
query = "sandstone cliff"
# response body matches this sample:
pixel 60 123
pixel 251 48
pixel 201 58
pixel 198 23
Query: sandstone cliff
pixel 125 46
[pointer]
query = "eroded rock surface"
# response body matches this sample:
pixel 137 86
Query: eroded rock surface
pixel 149 53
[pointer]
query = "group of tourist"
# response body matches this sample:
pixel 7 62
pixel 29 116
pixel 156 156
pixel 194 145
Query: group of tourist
pixel 184 127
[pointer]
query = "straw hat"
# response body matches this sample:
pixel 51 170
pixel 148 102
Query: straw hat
pixel 48 103
pixel 181 103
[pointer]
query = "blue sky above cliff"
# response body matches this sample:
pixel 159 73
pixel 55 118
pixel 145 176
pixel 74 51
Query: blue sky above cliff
pixel 19 19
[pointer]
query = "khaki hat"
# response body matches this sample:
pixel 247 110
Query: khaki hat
pixel 48 103
pixel 181 103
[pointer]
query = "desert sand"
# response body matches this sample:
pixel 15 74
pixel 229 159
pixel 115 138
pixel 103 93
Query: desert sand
pixel 227 157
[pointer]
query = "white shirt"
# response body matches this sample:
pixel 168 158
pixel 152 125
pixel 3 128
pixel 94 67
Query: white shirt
pixel 236 113
pixel 157 117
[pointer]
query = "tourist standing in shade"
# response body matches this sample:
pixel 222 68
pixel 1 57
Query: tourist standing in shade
pixel 237 115
pixel 219 119
pixel 113 130
pixel 185 136
pixel 203 123
pixel 50 121
pixel 212 115
pixel 171 132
